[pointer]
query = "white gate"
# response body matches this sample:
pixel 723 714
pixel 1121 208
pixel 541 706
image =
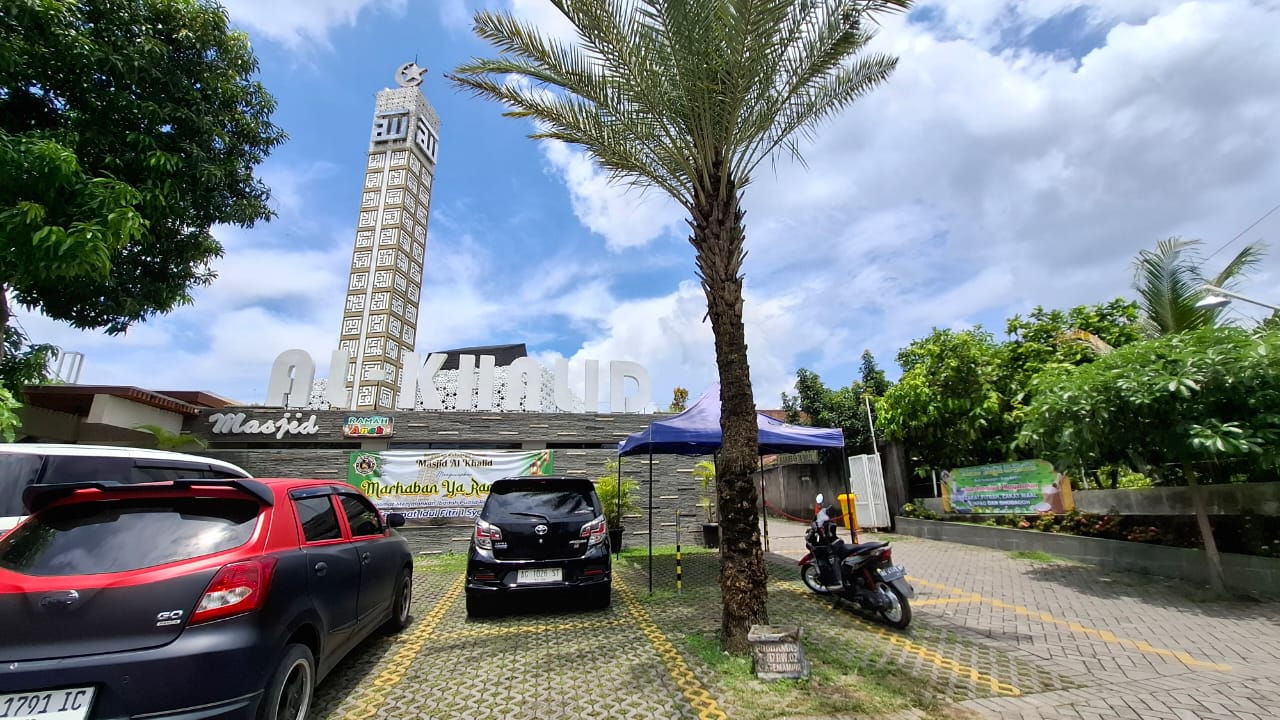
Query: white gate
pixel 868 488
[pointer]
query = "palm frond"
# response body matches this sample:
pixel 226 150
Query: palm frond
pixel 1169 285
pixel 1249 257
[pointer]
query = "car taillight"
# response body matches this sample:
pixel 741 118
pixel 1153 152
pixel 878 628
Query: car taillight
pixel 594 531
pixel 238 588
pixel 486 533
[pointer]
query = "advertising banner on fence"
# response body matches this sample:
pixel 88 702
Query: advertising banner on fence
pixel 1029 487
pixel 439 487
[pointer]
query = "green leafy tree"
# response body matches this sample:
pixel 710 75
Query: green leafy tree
pixel 846 408
pixel 9 421
pixel 615 496
pixel 166 440
pixel 128 128
pixel 1170 281
pixel 679 399
pixel 1177 408
pixel 705 473
pixel 690 97
pixel 949 407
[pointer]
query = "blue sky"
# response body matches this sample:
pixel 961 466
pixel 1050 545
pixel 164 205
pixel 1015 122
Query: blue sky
pixel 1021 155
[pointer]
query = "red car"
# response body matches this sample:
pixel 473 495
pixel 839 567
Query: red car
pixel 191 599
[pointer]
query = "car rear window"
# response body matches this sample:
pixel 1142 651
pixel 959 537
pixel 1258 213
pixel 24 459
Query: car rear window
pixel 17 470
pixel 506 500
pixel 112 536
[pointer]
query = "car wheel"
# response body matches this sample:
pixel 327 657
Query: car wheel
pixel 288 695
pixel 600 597
pixel 399 619
pixel 478 607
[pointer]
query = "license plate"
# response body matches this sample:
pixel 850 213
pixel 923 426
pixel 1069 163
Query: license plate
pixel 64 704
pixel 538 575
pixel 889 574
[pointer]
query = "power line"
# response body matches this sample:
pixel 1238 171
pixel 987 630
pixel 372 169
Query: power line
pixel 1265 215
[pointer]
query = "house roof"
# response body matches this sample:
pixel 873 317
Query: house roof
pixel 78 399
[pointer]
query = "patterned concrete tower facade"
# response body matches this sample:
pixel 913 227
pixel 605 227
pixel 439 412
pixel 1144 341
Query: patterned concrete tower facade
pixel 380 316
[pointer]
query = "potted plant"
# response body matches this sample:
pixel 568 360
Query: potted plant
pixel 705 473
pixel 616 500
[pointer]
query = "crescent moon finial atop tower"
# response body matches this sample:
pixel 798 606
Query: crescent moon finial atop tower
pixel 410 75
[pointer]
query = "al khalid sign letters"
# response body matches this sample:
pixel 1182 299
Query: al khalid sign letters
pixel 295 369
pixel 439 486
pixel 368 426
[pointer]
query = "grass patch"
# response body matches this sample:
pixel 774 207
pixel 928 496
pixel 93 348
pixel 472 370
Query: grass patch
pixel 1035 556
pixel 450 562
pixel 836 680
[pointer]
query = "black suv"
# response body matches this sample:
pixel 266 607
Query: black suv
pixel 537 534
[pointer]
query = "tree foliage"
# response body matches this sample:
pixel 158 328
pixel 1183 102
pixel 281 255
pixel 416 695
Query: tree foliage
pixel 960 399
pixel 846 408
pixel 128 128
pixel 1211 396
pixel 1170 281
pixel 690 97
pixel 679 400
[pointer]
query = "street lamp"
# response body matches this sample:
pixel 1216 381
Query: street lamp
pixel 1217 297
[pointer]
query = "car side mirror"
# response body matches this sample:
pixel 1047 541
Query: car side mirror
pixel 395 520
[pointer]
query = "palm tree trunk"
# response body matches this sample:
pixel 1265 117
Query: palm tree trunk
pixel 718 238
pixel 1206 531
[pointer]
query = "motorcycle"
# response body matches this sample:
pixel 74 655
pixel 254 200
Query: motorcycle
pixel 861 573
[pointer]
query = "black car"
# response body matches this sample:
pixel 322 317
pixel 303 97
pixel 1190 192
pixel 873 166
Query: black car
pixel 538 534
pixel 191 600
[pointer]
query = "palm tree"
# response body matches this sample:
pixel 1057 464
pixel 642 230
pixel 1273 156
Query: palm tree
pixel 166 440
pixel 1170 281
pixel 690 97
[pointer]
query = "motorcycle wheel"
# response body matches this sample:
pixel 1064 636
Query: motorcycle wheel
pixel 812 579
pixel 899 613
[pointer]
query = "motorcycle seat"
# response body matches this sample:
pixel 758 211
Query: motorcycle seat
pixel 859 549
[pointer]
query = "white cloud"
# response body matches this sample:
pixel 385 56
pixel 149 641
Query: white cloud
pixel 982 180
pixel 298 23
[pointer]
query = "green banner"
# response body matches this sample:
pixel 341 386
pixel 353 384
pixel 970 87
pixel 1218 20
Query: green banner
pixel 1029 487
pixel 438 487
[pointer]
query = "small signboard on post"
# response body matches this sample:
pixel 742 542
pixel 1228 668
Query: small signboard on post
pixel 776 652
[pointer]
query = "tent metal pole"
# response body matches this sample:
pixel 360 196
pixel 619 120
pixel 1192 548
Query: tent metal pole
pixel 650 513
pixel 764 510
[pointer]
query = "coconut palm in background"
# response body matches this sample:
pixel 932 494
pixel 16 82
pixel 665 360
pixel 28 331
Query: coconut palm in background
pixel 690 97
pixel 1170 281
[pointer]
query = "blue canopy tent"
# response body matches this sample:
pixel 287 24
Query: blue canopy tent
pixel 696 431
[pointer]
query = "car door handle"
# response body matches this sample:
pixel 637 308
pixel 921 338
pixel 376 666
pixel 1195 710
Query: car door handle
pixel 322 568
pixel 364 558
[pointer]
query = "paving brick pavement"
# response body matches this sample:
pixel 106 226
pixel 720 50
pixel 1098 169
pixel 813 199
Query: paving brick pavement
pixel 1130 646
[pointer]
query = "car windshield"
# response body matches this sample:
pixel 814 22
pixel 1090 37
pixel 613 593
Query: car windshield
pixel 523 501
pixel 112 536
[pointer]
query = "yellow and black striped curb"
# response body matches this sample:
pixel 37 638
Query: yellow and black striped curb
pixel 694 693
pixel 372 696
pixel 961 670
pixel 964 596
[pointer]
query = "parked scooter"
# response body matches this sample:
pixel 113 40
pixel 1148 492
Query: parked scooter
pixel 861 573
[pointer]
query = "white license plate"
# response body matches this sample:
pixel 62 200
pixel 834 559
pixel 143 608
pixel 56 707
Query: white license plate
pixel 64 704
pixel 896 572
pixel 538 575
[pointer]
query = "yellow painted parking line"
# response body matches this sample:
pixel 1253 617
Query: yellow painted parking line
pixel 372 696
pixel 960 669
pixel 1104 635
pixel 696 695
pixel 528 629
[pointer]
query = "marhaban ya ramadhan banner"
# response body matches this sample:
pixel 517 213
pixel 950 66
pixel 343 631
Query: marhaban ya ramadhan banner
pixel 1028 487
pixel 439 486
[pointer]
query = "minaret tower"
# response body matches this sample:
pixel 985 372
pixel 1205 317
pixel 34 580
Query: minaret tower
pixel 380 316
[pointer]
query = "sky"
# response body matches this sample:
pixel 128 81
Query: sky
pixel 1021 154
